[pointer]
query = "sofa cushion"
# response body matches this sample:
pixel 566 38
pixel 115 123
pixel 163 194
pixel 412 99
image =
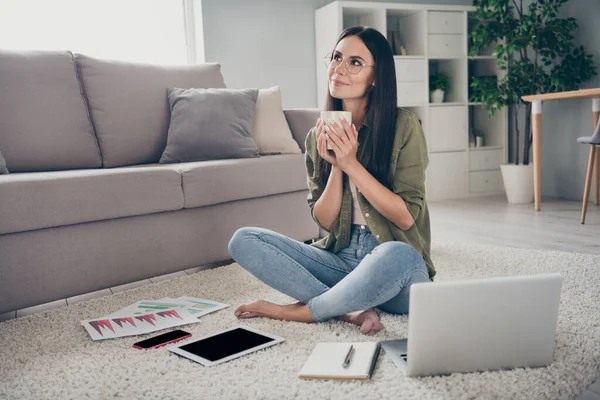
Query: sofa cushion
pixel 129 104
pixel 219 181
pixel 210 124
pixel 44 122
pixel 271 130
pixel 301 121
pixel 47 199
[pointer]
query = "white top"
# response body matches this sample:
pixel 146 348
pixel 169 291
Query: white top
pixel 357 217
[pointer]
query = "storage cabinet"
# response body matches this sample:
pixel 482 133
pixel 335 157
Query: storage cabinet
pixel 485 160
pixel 447 175
pixel 410 93
pixel 410 69
pixel 446 22
pixel 445 46
pixel 427 39
pixel 448 129
pixel 485 182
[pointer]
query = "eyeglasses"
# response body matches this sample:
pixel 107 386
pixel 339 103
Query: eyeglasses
pixel 353 64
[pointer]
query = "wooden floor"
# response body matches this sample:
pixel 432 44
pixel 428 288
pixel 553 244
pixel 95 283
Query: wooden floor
pixel 491 220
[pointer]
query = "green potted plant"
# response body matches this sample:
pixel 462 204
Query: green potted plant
pixel 439 84
pixel 483 89
pixel 535 50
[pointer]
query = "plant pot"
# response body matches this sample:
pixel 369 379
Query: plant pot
pixel 478 141
pixel 437 96
pixel 518 183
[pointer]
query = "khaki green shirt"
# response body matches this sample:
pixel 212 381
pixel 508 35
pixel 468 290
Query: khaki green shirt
pixel 409 161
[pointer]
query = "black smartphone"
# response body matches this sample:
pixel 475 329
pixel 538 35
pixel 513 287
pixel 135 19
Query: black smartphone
pixel 162 340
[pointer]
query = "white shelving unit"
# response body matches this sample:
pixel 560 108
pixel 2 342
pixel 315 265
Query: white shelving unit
pixel 435 39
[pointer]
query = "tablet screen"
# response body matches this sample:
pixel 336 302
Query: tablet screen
pixel 226 344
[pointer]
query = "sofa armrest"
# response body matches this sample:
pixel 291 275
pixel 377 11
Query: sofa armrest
pixel 301 120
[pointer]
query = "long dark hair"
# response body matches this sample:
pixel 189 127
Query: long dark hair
pixel 381 107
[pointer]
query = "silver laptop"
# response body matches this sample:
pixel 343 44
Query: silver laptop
pixel 479 325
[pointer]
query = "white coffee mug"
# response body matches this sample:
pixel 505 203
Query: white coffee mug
pixel 335 116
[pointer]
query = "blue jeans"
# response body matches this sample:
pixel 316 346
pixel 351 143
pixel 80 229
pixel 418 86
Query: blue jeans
pixel 364 275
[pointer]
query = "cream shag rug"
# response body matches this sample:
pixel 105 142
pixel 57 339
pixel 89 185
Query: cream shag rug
pixel 50 355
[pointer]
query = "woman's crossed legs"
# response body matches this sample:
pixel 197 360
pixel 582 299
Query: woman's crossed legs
pixel 328 285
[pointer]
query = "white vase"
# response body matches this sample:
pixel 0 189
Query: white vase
pixel 437 96
pixel 478 141
pixel 518 183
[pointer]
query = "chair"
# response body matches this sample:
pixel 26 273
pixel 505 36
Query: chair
pixel 593 141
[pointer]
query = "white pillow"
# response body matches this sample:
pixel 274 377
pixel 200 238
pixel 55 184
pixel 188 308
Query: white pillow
pixel 271 132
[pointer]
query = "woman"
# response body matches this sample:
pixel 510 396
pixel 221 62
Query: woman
pixel 369 197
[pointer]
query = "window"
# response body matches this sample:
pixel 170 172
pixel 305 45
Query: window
pixel 149 31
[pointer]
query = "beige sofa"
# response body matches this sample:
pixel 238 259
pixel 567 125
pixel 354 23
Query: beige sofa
pixel 86 205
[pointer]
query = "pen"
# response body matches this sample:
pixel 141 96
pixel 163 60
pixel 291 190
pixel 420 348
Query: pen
pixel 348 357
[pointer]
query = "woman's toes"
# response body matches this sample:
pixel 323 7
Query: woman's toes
pixel 254 309
pixel 243 309
pixel 238 311
pixel 371 326
pixel 377 326
pixel 366 326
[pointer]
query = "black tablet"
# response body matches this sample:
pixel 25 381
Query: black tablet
pixel 226 345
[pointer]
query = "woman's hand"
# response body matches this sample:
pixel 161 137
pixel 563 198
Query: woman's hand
pixel 344 141
pixel 325 154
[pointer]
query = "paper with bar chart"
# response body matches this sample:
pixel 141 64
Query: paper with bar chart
pixel 115 327
pixel 147 316
pixel 195 306
pixel 200 307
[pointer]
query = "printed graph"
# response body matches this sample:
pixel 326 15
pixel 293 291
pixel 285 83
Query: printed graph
pixel 147 316
pixel 103 323
pixel 146 306
pixel 122 321
pixel 136 325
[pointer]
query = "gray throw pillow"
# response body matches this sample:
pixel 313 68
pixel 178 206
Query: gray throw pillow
pixel 210 124
pixel 3 169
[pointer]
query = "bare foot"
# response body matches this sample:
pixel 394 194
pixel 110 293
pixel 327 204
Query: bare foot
pixel 367 320
pixel 291 312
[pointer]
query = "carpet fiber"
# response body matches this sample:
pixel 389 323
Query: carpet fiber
pixel 50 355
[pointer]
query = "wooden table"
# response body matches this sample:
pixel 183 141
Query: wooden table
pixel 536 122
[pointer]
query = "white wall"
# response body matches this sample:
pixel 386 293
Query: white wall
pixel 262 43
pixel 564 161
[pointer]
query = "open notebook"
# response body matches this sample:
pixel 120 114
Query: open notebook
pixel 327 359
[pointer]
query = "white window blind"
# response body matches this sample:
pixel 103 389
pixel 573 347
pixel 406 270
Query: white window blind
pixel 149 31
